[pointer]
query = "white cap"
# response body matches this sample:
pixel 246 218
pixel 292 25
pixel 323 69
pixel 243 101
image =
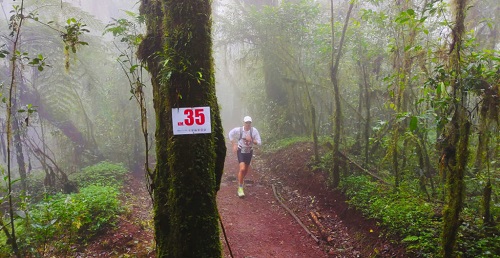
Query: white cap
pixel 247 119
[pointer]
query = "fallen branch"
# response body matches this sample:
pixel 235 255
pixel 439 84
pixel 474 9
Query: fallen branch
pixel 323 231
pixel 293 215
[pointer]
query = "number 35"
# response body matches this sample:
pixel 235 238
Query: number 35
pixel 194 116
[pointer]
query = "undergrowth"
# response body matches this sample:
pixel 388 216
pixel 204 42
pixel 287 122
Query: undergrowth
pixel 58 223
pixel 407 213
pixel 417 222
pixel 103 173
pixel 401 213
pixel 283 143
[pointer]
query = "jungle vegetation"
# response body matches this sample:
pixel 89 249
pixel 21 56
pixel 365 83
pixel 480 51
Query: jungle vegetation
pixel 403 94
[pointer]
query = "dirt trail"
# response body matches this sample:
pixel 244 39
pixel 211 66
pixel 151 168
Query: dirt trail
pixel 257 226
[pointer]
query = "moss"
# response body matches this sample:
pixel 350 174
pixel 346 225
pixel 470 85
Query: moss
pixel 189 167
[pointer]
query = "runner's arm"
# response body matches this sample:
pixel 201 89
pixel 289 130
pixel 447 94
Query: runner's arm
pixel 256 137
pixel 234 137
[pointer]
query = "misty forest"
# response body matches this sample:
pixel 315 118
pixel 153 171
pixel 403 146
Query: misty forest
pixel 398 99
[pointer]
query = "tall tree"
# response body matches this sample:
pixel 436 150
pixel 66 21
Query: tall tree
pixel 177 50
pixel 455 151
pixel 334 68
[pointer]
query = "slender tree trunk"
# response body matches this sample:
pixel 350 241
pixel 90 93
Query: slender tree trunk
pixel 18 144
pixel 367 126
pixel 455 153
pixel 337 122
pixel 427 162
pixel 2 141
pixel 314 133
pixel 482 138
pixel 487 218
pixel 10 113
pixel 356 147
pixel 422 168
pixel 189 167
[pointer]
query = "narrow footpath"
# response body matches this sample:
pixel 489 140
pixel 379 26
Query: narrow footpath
pixel 288 211
pixel 257 225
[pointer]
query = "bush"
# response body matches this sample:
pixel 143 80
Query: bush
pixel 402 213
pixel 103 173
pixel 283 143
pixel 63 219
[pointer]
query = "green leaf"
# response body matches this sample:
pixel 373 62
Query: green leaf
pixel 133 68
pixel 411 239
pixel 439 87
pixel 129 13
pixel 414 123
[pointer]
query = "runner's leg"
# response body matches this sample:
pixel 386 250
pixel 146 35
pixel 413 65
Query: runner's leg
pixel 242 173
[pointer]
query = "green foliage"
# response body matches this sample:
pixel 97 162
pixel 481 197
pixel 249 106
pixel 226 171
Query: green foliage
pixel 402 213
pixel 283 143
pixel 35 182
pixel 417 222
pixel 3 52
pixel 326 162
pixel 71 36
pixel 128 31
pixel 104 173
pixel 476 240
pixel 360 190
pixel 62 220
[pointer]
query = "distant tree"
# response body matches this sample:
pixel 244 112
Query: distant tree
pixel 177 50
pixel 285 48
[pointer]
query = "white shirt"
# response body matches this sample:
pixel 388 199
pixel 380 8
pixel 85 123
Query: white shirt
pixel 243 144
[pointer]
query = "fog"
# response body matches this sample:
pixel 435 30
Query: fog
pixel 272 62
pixel 401 92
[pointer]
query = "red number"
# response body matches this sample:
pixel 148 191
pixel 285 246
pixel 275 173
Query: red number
pixel 189 117
pixel 200 117
pixel 197 117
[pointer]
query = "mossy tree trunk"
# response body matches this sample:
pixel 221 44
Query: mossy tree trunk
pixel 177 50
pixel 455 152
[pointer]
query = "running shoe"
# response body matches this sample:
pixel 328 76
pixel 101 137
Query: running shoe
pixel 240 192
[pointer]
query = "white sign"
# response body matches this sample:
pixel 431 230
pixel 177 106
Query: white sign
pixel 191 120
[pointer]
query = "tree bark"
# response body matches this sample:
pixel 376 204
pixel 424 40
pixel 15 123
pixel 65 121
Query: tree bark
pixel 338 112
pixel 455 153
pixel 177 50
